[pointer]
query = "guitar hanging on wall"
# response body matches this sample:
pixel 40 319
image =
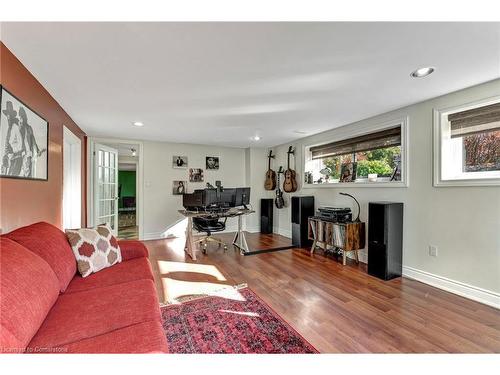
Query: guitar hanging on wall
pixel 279 201
pixel 270 183
pixel 290 184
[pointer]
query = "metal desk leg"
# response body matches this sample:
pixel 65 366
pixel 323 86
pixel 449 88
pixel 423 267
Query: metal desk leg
pixel 190 246
pixel 239 239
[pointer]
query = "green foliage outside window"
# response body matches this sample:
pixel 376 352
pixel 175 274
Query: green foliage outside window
pixel 379 161
pixel 380 167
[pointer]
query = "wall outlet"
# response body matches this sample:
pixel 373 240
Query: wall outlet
pixel 433 251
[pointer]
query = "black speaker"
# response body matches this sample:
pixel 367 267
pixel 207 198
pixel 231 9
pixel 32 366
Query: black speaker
pixel 385 239
pixel 302 209
pixel 266 215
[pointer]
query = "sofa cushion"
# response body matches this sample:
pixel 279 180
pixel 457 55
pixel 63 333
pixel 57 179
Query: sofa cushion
pixel 147 337
pixel 132 249
pixel 28 290
pixel 135 269
pixel 82 315
pixel 9 344
pixel 50 243
pixel 94 248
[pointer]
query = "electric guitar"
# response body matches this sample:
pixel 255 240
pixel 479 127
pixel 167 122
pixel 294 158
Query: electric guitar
pixel 270 183
pixel 290 184
pixel 279 201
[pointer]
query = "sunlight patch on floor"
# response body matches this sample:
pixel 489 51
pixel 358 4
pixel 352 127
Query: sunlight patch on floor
pixel 167 267
pixel 177 290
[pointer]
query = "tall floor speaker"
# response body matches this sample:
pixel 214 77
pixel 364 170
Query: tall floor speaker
pixel 385 239
pixel 266 215
pixel 302 209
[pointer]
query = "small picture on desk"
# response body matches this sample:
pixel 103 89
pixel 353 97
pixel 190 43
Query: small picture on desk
pixel 348 172
pixel 180 162
pixel 195 175
pixel 212 162
pixel 179 187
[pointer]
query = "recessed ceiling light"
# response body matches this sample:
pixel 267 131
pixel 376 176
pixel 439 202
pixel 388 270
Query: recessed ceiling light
pixel 256 138
pixel 300 132
pixel 138 123
pixel 422 72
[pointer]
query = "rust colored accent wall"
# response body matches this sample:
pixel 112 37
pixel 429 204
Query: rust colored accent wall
pixel 23 202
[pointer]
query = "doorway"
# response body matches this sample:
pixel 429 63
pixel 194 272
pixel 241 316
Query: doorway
pixel 128 227
pixel 127 206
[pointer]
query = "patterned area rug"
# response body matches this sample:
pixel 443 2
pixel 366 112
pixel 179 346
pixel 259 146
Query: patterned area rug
pixel 239 322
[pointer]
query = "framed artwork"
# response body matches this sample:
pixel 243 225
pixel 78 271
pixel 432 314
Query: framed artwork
pixel 348 172
pixel 24 138
pixel 180 162
pixel 179 187
pixel 212 162
pixel 195 175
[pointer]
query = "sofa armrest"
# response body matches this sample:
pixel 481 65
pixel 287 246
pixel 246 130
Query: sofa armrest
pixel 132 249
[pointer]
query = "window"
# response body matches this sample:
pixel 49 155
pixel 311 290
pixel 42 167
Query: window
pixel 467 145
pixel 376 157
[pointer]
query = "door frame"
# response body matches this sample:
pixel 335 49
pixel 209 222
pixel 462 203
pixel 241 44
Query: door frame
pixel 139 179
pixel 75 155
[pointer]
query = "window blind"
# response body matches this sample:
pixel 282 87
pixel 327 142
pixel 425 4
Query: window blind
pixel 474 121
pixel 381 139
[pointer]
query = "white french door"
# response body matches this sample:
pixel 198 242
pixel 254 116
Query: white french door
pixel 106 186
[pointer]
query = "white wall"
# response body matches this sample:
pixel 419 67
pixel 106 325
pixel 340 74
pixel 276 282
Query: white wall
pixel 464 222
pixel 160 205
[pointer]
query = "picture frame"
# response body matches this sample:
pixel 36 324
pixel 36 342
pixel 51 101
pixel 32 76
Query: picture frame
pixel 348 172
pixel 196 175
pixel 24 140
pixel 179 162
pixel 179 187
pixel 212 163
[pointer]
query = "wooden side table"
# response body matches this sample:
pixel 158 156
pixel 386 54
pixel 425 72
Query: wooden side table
pixel 344 236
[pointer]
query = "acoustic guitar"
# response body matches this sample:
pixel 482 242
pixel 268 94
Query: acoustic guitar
pixel 279 201
pixel 270 183
pixel 290 184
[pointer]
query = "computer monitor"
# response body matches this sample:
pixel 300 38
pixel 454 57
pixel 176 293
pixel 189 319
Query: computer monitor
pixel 242 197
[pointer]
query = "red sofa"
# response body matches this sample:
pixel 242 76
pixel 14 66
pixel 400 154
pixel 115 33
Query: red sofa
pixel 47 307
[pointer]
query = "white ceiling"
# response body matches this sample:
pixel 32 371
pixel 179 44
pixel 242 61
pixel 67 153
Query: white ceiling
pixel 222 83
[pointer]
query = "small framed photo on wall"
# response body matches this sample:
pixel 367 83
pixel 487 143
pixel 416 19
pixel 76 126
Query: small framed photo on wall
pixel 195 175
pixel 179 187
pixel 24 138
pixel 180 162
pixel 212 162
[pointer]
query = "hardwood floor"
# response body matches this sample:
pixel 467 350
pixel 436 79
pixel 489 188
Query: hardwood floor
pixel 336 308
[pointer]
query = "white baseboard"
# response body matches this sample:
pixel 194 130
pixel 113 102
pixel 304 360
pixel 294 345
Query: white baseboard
pixel 283 232
pixel 487 297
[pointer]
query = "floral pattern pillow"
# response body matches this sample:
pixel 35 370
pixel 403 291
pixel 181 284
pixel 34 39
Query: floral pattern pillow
pixel 94 248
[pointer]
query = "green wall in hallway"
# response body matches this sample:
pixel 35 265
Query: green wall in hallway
pixel 126 179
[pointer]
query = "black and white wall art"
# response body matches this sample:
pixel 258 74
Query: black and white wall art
pixel 23 140
pixel 179 187
pixel 180 162
pixel 212 162
pixel 195 175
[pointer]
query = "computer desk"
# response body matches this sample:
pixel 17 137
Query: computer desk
pixel 239 239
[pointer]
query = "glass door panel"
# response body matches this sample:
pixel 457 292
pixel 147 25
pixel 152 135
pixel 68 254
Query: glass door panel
pixel 106 186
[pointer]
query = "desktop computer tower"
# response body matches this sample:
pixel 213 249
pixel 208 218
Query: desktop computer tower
pixel 302 209
pixel 266 216
pixel 385 239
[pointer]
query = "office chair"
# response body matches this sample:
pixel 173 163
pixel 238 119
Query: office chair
pixel 209 226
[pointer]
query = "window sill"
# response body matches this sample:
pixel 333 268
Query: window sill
pixel 468 182
pixel 361 184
